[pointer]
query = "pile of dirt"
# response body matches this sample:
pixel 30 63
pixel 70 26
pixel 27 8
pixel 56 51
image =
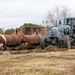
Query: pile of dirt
pixel 49 49
pixel 38 49
pixel 55 48
pixel 72 45
pixel 26 46
pixel 24 50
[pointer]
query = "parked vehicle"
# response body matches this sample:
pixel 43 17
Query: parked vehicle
pixel 62 35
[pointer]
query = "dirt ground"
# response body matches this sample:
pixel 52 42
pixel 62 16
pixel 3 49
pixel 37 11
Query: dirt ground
pixel 38 63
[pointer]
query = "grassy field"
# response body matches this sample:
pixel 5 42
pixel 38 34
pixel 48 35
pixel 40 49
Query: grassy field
pixel 47 63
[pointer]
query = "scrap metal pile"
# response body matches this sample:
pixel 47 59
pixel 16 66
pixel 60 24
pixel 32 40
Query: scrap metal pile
pixel 17 39
pixel 61 35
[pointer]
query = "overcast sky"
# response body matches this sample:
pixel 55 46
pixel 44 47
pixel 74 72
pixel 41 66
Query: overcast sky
pixel 14 13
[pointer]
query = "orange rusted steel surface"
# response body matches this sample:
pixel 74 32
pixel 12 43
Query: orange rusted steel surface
pixel 17 38
pixel 10 40
pixel 1 39
pixel 32 39
pixel 30 31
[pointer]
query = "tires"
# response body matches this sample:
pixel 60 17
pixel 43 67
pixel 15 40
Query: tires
pixel 65 42
pixel 53 41
pixel 62 43
pixel 68 43
pixel 43 42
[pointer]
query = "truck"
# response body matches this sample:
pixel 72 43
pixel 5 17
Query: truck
pixel 62 34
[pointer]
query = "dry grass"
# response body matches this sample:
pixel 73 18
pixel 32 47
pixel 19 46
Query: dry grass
pixel 47 63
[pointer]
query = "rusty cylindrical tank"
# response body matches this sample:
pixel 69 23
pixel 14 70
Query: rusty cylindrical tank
pixel 1 43
pixel 32 39
pixel 1 39
pixel 10 40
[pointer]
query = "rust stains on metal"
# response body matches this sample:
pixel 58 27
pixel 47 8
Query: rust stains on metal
pixel 30 31
pixel 40 30
pixel 32 39
pixel 12 40
pixel 1 39
pixel 17 38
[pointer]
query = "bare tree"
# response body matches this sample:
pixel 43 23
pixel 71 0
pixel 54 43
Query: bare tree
pixel 59 12
pixel 51 17
pixel 65 12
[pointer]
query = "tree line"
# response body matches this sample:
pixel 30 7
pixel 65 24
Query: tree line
pixel 25 25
